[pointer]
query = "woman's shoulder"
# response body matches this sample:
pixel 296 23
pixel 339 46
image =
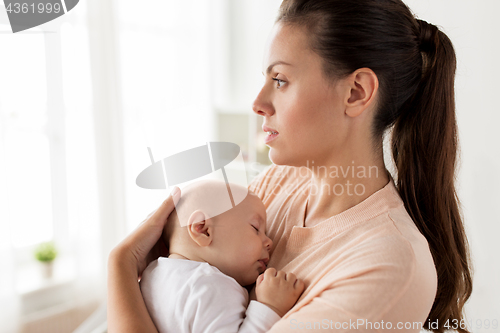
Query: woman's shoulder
pixel 389 240
pixel 416 242
pixel 392 245
pixel 395 233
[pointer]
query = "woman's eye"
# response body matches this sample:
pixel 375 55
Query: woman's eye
pixel 280 82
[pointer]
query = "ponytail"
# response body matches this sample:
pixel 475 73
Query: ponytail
pixel 424 146
pixel 415 64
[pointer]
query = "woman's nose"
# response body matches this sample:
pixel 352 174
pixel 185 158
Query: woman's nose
pixel 261 104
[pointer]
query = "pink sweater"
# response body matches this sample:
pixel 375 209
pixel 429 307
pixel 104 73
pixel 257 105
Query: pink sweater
pixel 367 269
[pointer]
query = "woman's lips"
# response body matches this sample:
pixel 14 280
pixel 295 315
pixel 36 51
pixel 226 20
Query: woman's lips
pixel 270 137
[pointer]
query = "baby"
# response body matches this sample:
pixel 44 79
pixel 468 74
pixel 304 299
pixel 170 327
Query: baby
pixel 200 286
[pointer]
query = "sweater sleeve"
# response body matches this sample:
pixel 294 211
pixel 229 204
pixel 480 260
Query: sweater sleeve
pixel 218 305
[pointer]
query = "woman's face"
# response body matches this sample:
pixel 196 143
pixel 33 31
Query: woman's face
pixel 298 102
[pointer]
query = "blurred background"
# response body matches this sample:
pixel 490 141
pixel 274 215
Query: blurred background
pixel 83 96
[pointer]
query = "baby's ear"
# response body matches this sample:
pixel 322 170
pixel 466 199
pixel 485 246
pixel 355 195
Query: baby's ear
pixel 200 228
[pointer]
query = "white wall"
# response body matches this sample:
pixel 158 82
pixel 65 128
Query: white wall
pixel 473 27
pixel 244 31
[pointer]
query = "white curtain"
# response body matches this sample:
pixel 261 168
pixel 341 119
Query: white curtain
pixel 48 183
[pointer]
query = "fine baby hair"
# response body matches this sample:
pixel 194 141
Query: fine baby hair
pixel 204 199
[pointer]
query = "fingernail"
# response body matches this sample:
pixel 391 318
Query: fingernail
pixel 175 193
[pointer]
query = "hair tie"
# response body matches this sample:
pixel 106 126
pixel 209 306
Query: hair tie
pixel 427 36
pixel 428 40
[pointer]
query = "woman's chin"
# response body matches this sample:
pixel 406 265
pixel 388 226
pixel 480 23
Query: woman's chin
pixel 280 158
pixel 276 157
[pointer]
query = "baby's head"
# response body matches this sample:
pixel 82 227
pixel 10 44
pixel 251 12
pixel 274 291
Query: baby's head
pixel 233 241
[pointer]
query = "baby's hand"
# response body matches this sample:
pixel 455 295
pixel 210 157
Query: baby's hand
pixel 278 290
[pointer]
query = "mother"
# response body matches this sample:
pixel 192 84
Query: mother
pixel 374 253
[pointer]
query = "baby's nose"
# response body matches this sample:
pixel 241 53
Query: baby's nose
pixel 268 243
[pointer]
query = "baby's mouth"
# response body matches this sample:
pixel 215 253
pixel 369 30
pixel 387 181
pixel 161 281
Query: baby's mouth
pixel 262 267
pixel 263 263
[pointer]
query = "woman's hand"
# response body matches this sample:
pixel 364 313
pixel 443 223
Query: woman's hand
pixel 145 244
pixel 127 311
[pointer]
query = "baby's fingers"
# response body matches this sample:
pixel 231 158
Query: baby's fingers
pixel 270 272
pixel 281 275
pixel 260 278
pixel 299 285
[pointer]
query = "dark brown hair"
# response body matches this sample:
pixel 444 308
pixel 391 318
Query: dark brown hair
pixel 415 64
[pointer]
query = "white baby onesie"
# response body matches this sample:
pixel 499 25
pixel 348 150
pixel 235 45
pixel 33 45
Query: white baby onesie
pixel 185 296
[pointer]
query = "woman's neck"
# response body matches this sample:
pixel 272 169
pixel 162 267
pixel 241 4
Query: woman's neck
pixel 336 188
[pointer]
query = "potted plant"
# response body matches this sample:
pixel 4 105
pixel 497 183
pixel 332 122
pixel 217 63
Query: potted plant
pixel 45 253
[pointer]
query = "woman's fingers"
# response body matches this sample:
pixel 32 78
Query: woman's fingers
pixel 158 218
pixel 142 240
pixel 166 207
pixel 163 211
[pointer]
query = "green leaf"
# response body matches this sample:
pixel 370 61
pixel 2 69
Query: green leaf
pixel 46 252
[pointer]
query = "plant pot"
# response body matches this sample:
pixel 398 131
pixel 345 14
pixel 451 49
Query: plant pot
pixel 47 268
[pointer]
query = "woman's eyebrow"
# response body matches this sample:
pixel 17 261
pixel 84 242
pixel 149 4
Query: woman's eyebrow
pixel 279 62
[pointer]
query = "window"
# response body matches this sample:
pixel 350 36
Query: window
pixel 48 182
pixel 164 70
pixel 25 148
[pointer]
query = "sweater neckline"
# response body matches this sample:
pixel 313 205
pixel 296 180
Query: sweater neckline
pixel 376 204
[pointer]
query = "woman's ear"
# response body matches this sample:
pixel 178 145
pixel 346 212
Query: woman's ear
pixel 200 228
pixel 363 87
